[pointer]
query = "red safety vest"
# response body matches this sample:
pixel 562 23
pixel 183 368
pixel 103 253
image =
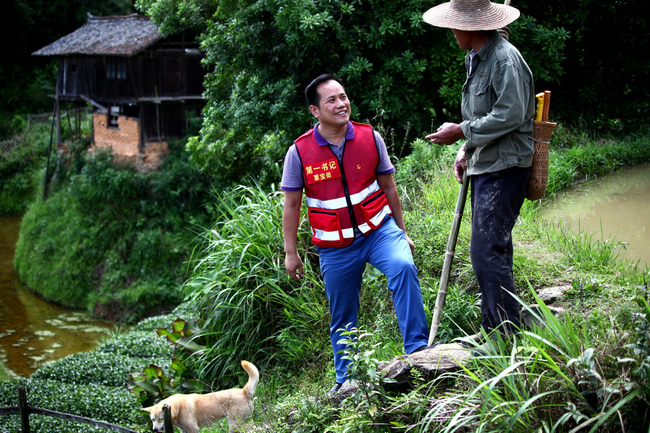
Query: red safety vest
pixel 342 195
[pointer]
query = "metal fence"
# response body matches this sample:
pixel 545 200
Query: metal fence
pixel 6 146
pixel 73 122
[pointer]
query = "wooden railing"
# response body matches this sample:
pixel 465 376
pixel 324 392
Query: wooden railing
pixel 24 410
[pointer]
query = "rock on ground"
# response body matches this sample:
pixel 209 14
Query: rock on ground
pixel 430 363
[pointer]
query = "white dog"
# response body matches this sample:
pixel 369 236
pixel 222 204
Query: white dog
pixel 190 412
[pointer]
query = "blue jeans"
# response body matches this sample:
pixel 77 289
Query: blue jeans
pixel 496 201
pixel 342 268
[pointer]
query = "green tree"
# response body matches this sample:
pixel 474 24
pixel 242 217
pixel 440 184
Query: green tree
pixel 172 16
pixel 607 73
pixel 401 73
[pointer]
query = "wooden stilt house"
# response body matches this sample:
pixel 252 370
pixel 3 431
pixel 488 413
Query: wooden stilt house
pixel 143 86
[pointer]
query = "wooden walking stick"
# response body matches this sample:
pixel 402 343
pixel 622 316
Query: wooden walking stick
pixel 449 256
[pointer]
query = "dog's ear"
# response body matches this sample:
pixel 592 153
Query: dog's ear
pixel 147 409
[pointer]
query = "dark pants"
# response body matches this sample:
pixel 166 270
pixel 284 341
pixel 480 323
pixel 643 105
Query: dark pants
pixel 496 201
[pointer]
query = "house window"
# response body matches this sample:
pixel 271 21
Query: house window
pixel 114 112
pixel 116 68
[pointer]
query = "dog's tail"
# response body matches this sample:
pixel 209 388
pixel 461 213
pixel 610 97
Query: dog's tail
pixel 253 378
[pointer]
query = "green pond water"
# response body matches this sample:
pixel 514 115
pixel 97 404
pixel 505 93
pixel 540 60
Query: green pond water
pixel 614 208
pixel 33 331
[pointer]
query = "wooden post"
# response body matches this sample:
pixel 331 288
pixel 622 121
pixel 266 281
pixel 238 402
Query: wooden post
pixel 46 178
pixel 24 409
pixel 449 256
pixel 57 103
pixel 167 418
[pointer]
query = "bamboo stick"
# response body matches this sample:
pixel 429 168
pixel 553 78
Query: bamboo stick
pixel 449 256
pixel 547 104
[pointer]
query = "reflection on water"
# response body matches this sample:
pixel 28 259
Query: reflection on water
pixel 33 331
pixel 620 204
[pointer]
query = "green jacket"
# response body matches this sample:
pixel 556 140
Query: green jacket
pixel 498 108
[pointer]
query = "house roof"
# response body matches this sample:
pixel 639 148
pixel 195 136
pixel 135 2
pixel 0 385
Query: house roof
pixel 107 36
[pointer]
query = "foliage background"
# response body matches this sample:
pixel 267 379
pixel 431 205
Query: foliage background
pixel 111 240
pixel 402 74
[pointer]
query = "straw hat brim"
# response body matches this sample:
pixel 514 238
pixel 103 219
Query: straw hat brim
pixel 453 16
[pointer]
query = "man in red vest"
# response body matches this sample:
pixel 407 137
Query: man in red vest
pixel 355 216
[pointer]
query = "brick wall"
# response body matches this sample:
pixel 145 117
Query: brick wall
pixel 124 140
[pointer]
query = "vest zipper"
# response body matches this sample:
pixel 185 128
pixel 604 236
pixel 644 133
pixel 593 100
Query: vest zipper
pixel 353 218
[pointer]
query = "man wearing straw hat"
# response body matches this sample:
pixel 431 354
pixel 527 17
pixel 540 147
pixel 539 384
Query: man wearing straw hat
pixel 498 104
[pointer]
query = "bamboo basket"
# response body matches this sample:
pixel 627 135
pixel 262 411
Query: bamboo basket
pixel 539 170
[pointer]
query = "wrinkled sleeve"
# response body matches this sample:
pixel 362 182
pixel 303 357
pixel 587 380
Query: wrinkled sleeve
pixel 512 90
pixel 385 165
pixel 292 172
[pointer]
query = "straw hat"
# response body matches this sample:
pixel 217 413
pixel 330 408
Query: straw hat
pixel 471 15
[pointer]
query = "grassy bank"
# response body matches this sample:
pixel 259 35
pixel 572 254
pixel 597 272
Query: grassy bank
pixel 111 240
pixel 22 163
pixel 586 372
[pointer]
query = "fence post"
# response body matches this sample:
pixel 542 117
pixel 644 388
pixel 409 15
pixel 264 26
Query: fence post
pixel 24 409
pixel 167 419
pixel 46 178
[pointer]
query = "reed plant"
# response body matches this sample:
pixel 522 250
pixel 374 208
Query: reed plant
pixel 246 304
pixel 549 378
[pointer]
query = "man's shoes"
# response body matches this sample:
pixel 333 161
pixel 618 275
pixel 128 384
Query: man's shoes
pixel 334 389
pixel 425 347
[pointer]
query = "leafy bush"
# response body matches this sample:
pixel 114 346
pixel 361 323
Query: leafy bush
pixel 151 324
pixel 112 240
pixel 137 344
pixel 106 369
pixel 152 384
pixel 364 371
pixel 247 306
pixel 109 404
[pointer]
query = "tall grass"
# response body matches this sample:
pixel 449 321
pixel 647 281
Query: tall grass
pixel 550 378
pixel 593 251
pixel 248 307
